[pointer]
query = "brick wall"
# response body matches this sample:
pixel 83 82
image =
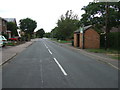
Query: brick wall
pixel 3 26
pixel 75 39
pixel 91 39
pixel 81 40
pixel 0 25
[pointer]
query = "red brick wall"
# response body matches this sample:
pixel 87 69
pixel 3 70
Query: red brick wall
pixel 75 39
pixel 81 40
pixel 91 39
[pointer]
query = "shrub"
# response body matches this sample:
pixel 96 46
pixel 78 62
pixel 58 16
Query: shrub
pixel 113 40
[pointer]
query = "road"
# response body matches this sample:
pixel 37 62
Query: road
pixel 45 64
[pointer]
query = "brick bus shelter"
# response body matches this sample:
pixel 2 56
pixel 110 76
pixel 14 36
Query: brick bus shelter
pixel 86 37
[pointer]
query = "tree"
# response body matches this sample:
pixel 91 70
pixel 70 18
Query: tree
pixel 47 35
pixel 100 15
pixel 28 25
pixel 40 33
pixel 66 26
pixel 55 33
pixel 95 14
pixel 13 28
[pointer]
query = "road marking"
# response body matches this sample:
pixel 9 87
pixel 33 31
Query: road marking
pixel 49 51
pixel 113 66
pixel 45 45
pixel 41 73
pixel 60 67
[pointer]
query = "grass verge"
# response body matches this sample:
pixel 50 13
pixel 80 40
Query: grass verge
pixel 113 53
pixel 61 41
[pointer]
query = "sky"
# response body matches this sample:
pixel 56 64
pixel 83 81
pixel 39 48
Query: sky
pixel 45 12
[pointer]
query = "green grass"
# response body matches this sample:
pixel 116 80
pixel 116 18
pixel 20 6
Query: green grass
pixel 61 41
pixel 112 52
pixel 54 39
pixel 10 44
pixel 96 50
pixel 116 57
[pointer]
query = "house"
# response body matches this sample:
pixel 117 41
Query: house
pixel 3 26
pixel 86 37
pixel 11 20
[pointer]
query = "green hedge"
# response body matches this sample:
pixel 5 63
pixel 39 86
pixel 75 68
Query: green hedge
pixel 102 41
pixel 113 40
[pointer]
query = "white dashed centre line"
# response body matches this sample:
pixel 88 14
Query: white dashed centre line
pixel 49 51
pixel 45 45
pixel 60 67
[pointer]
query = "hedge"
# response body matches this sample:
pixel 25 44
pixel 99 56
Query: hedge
pixel 113 40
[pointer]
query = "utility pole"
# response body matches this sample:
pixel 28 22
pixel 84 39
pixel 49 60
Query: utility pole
pixel 106 27
pixel 106 23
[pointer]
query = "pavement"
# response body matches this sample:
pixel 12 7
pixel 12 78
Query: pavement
pixel 97 56
pixel 9 52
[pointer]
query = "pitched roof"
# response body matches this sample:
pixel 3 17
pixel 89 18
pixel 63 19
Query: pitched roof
pixel 10 20
pixel 3 19
pixel 84 28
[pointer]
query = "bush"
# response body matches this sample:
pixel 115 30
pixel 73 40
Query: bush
pixel 113 40
pixel 102 41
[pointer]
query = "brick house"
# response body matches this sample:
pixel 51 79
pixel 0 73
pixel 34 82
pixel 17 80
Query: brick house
pixel 13 20
pixel 86 37
pixel 3 26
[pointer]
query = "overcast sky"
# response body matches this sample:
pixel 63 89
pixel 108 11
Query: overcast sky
pixel 45 12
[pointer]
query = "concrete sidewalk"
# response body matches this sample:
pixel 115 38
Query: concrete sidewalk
pixel 9 53
pixel 96 56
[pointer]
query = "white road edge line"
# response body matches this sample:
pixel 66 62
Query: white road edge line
pixel 113 66
pixel 60 67
pixel 49 51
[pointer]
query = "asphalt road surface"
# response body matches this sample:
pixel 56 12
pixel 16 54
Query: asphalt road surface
pixel 45 64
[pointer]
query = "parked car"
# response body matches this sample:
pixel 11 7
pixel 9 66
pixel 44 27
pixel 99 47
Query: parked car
pixel 3 41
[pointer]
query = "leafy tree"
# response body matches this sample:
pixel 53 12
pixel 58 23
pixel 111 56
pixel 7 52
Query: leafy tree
pixel 67 24
pixel 40 33
pixel 47 35
pixel 13 28
pixel 95 14
pixel 55 33
pixel 28 25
